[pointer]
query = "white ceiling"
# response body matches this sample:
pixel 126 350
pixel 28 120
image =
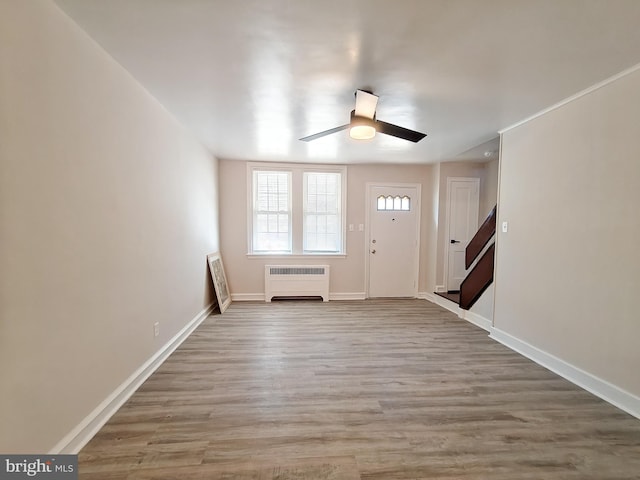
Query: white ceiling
pixel 250 77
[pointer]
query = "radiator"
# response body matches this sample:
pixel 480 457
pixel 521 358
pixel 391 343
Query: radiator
pixel 296 281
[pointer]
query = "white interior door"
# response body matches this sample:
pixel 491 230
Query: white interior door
pixel 463 195
pixel 394 229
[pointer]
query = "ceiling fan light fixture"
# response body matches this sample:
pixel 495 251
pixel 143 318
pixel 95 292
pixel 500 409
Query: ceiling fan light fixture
pixel 362 128
pixel 364 125
pixel 362 132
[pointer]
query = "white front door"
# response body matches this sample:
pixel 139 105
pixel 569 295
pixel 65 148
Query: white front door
pixel 394 229
pixel 462 197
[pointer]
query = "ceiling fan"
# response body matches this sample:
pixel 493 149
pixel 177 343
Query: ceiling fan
pixel 363 124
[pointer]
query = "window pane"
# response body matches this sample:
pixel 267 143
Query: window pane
pixel 321 182
pixel 272 242
pixel 261 223
pixel 273 224
pixel 271 215
pixel 283 202
pixel 332 185
pixel 312 202
pixel 332 224
pixel 332 204
pixel 323 218
pixel 321 203
pixel 283 223
pixel 391 203
pixel 322 224
pixel 311 224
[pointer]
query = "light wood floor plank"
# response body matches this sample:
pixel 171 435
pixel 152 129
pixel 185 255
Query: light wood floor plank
pixel 375 390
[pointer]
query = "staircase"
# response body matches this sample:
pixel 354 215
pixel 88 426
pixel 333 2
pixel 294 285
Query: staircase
pixel 481 275
pixel 478 279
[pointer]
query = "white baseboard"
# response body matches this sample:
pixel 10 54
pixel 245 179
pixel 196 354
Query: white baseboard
pixel 247 297
pixel 470 317
pixel 443 302
pixel 600 388
pixel 477 320
pixel 259 297
pixel 347 296
pixel 77 438
pixel 441 288
pixel 426 296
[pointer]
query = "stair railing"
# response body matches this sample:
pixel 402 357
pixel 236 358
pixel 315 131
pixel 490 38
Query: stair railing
pixel 481 238
pixel 481 275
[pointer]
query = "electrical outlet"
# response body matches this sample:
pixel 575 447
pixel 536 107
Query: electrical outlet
pixel 156 329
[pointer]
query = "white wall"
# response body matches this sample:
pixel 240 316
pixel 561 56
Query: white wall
pixel 433 219
pixel 246 274
pixel 484 305
pixel 107 209
pixel 568 270
pixel 488 189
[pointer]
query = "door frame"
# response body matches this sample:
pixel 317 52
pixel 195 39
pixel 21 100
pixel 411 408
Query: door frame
pixel 367 226
pixel 447 222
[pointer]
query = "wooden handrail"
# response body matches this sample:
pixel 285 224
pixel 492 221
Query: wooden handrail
pixel 478 279
pixel 480 239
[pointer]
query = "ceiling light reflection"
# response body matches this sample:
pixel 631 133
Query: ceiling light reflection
pixel 271 102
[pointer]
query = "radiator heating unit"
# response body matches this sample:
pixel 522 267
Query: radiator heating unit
pixel 296 281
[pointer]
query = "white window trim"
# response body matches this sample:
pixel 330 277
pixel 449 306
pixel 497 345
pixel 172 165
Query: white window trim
pixel 297 201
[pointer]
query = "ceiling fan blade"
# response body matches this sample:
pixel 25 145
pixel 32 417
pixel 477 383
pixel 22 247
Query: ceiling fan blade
pixel 400 132
pixel 366 104
pixel 325 133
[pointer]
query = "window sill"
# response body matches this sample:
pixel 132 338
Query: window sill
pixel 295 255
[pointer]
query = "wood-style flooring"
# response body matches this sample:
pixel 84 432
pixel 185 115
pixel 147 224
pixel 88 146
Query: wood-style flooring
pixel 378 389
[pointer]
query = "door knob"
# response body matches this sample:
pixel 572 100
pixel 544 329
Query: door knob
pixel 455 241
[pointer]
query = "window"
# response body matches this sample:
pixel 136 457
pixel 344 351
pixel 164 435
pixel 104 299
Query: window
pixel 322 216
pixel 396 203
pixel 271 211
pixel 296 209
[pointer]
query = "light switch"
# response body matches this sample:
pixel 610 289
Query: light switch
pixel 361 227
pixel 505 227
pixel 351 227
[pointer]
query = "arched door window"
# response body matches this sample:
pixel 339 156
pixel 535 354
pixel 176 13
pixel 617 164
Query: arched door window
pixel 394 204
